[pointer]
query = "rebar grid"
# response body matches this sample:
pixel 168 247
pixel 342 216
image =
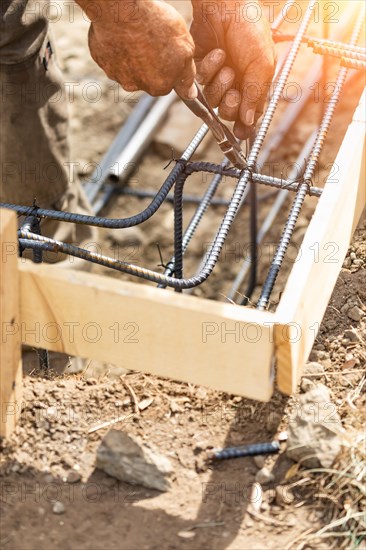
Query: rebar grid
pixel 173 276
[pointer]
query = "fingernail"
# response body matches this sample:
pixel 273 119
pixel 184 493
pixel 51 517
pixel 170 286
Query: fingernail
pixel 232 100
pixel 192 92
pixel 218 56
pixel 249 117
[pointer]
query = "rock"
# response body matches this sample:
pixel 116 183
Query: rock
pixel 186 534
pixel 73 477
pixel 355 313
pixel 272 422
pixel 326 363
pixel 313 368
pixel 174 407
pixel 306 385
pixel 313 436
pixel 259 461
pixel 318 354
pixel 130 459
pixel 58 507
pixel 145 403
pixel 284 495
pixel 264 476
pixel 351 335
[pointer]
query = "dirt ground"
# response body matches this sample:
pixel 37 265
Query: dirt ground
pixel 51 456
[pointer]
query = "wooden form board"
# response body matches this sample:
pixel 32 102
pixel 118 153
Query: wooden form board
pixel 144 328
pixel 10 364
pixel 222 346
pixel 321 255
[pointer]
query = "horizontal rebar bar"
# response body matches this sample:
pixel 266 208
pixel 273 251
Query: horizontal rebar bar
pixel 353 64
pixel 337 52
pixel 334 44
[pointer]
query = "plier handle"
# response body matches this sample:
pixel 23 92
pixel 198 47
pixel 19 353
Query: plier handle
pixel 222 134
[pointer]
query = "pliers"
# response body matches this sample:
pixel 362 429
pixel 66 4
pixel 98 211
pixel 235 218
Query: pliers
pixel 222 134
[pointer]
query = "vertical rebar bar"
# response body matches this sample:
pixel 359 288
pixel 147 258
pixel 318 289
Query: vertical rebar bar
pixel 307 177
pixel 31 223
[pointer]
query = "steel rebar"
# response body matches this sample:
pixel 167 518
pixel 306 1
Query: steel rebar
pixel 308 175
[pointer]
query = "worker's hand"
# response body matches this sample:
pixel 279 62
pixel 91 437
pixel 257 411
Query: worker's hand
pixel 235 58
pixel 143 45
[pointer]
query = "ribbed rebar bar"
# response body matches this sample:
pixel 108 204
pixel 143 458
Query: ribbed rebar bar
pixel 334 44
pixel 353 64
pixel 253 449
pixel 35 241
pixel 337 52
pixel 124 222
pixel 31 224
pixel 205 202
pixel 308 175
pixel 278 204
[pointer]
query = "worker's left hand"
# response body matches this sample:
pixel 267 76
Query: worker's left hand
pixel 235 58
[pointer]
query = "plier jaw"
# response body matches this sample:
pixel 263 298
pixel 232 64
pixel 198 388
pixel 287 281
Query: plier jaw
pixel 222 134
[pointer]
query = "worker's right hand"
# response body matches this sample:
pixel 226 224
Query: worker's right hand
pixel 144 45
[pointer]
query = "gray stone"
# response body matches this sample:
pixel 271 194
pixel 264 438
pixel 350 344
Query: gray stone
pixel 313 368
pixel 313 434
pixel 347 263
pixel 186 534
pixel 284 495
pixel 58 507
pixel 73 477
pixel 264 476
pixel 355 313
pixel 130 459
pixel 272 421
pixel 259 461
pixel 307 385
pixel 351 335
pixel 318 354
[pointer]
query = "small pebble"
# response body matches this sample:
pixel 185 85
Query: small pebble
pixel 306 385
pixel 186 534
pixel 58 507
pixel 259 461
pixel 272 422
pixel 284 495
pixel 351 335
pixel 264 476
pixel 355 313
pixel 73 477
pixel 313 368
